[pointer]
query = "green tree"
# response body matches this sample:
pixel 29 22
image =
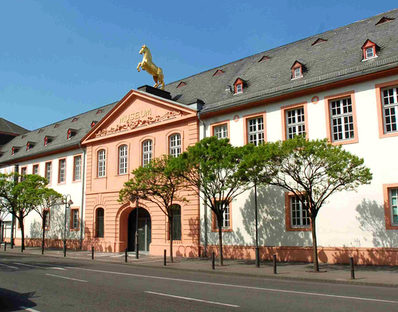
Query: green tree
pixel 158 183
pixel 313 171
pixel 211 169
pixel 22 197
pixel 48 198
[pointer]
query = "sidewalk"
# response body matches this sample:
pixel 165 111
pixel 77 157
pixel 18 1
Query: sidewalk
pixel 364 275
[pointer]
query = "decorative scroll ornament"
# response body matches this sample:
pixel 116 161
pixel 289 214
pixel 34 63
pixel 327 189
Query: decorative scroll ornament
pixel 147 65
pixel 137 123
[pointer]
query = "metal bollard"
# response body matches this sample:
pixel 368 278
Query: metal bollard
pixel 64 249
pixel 274 262
pixel 257 257
pixel 352 268
pixel 5 246
pixel 92 253
pixel 125 255
pixel 199 251
pixel 164 257
pixel 213 261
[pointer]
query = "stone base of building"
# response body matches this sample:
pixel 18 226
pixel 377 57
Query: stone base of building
pixel 50 243
pixel 332 255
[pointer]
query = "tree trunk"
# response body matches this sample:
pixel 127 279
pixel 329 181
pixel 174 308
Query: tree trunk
pixel 219 221
pixel 22 234
pixel 314 245
pixel 44 232
pixel 171 237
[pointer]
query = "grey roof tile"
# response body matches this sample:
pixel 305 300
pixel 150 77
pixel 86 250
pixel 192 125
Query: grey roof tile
pixel 10 127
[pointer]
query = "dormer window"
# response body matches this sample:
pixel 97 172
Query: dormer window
pixel 93 123
pixel 99 111
pixel 47 139
pixel 239 84
pixel 218 72
pixel 70 133
pixel 385 19
pixel 297 70
pixel 369 50
pixel 181 84
pixel 75 119
pixel 29 145
pixel 14 149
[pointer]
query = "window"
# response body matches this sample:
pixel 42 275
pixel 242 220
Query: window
pixel 35 169
pixel 176 222
pixel 390 194
pixel 369 50
pixel 74 219
pixel 46 218
pixel 341 119
pixel 255 130
pixel 295 122
pixel 23 173
pixel 297 70
pixel 123 159
pixel 77 168
pixel 99 223
pixel 389 97
pixel 101 163
pixel 297 217
pixel 226 224
pixel 175 145
pixel 61 170
pixel 221 131
pixel 146 152
pixel 47 173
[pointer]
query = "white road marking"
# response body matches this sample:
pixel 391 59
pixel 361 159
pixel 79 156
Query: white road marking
pixel 57 268
pixel 193 299
pixel 239 286
pixel 9 266
pixel 68 278
pixel 28 265
pixel 29 309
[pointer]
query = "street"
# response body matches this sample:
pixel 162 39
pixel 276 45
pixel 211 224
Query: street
pixel 35 283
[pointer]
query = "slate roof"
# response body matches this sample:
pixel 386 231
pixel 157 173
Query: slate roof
pixel 58 131
pixel 9 127
pixel 338 58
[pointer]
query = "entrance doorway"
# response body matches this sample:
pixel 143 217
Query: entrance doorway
pixel 144 229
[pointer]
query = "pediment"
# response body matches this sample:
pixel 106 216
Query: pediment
pixel 138 111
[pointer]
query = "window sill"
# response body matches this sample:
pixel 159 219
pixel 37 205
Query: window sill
pixel 298 229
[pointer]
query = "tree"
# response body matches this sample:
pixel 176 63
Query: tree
pixel 211 169
pixel 313 171
pixel 3 214
pixel 158 183
pixel 48 198
pixel 22 197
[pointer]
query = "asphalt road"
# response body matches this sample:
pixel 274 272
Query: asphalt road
pixel 34 283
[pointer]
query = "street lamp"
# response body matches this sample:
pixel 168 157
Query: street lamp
pixel 67 200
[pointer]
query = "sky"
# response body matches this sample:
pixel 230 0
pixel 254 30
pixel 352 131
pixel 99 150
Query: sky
pixel 62 58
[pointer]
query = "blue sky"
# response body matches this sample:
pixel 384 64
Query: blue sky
pixel 61 58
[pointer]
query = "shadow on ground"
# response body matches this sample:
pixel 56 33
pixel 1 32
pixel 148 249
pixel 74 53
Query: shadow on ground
pixel 12 301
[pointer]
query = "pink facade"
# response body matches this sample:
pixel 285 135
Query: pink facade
pixel 137 118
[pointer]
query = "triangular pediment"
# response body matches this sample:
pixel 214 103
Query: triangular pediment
pixel 138 111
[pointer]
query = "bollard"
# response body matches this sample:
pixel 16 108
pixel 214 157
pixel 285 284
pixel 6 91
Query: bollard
pixel 274 262
pixel 92 253
pixel 125 255
pixel 164 257
pixel 213 261
pixel 199 250
pixel 257 257
pixel 5 246
pixel 64 249
pixel 352 268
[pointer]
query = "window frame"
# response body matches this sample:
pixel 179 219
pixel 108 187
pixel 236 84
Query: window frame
pixel 38 169
pixel 143 153
pixel 285 109
pixel 246 119
pixel 168 226
pixel 380 110
pixel 124 157
pixel 170 148
pixel 214 225
pixel 74 167
pixel 71 225
pixel 288 216
pixel 59 171
pixel 328 99
pixel 97 223
pixel 101 162
pixel 220 124
pixel 49 179
pixel 388 213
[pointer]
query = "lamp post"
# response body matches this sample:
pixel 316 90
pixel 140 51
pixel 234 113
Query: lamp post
pixel 67 200
pixel 256 217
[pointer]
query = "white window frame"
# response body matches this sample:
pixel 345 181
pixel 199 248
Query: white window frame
pixel 392 106
pixel 226 220
pixel 62 170
pixel 239 88
pixel 372 53
pixel 101 163
pixel 393 198
pixel 295 122
pixel 48 171
pixel 303 219
pixel 342 123
pixel 123 159
pixel 175 144
pixel 77 168
pixel 147 147
pixel 255 130
pixel 221 131
pixel 75 219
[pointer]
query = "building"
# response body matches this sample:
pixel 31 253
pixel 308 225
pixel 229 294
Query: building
pixel 341 85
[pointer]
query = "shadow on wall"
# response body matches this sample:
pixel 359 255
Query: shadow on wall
pixel 192 249
pixel 99 244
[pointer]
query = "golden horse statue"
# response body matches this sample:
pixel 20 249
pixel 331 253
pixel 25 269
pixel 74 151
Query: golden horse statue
pixel 147 65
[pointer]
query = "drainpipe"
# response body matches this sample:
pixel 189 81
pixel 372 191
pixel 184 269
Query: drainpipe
pixel 83 198
pixel 204 202
pixel 16 170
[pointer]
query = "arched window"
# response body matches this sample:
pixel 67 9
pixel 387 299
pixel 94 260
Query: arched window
pixel 99 223
pixel 175 145
pixel 176 222
pixel 101 163
pixel 123 159
pixel 146 152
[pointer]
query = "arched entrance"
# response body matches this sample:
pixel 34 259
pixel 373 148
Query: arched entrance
pixel 144 229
